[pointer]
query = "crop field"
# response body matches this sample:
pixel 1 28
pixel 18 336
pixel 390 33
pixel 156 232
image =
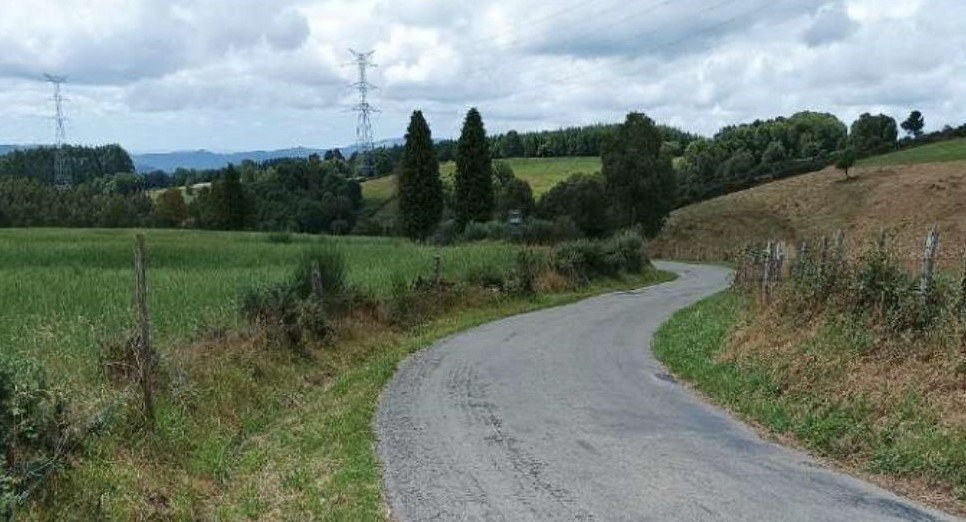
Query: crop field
pixel 952 150
pixel 65 291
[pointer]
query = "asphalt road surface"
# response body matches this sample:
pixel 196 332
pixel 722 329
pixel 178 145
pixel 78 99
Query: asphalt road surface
pixel 564 414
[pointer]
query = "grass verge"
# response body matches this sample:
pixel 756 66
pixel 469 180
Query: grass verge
pixel 818 386
pixel 256 435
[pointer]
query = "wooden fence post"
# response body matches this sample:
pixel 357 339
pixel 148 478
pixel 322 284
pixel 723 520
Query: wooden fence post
pixel 317 288
pixel 437 269
pixel 144 354
pixel 766 272
pixel 928 262
pixel 961 305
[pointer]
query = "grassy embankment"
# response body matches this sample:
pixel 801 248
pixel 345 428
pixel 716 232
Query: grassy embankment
pixel 541 173
pixel 243 432
pixel 885 410
pixel 905 192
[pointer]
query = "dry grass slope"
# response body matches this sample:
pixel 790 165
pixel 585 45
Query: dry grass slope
pixel 905 200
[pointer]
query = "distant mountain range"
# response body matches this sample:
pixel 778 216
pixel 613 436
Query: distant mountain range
pixel 203 159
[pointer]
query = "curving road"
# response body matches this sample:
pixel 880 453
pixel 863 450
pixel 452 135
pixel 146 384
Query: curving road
pixel 564 414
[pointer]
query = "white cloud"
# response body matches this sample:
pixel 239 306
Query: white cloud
pixel 237 74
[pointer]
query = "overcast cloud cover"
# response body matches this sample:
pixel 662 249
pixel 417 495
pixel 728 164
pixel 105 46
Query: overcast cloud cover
pixel 254 74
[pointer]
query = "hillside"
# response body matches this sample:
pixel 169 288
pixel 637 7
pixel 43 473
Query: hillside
pixel 541 173
pixel 904 199
pixel 952 150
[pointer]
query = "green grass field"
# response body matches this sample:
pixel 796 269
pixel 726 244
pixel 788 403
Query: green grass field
pixel 541 173
pixel 66 290
pixel 243 430
pixel 952 150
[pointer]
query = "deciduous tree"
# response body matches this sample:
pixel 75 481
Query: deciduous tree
pixel 640 180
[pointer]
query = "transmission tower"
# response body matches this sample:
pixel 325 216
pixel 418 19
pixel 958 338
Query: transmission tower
pixel 62 176
pixel 363 61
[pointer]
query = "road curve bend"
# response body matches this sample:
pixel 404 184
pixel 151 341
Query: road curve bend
pixel 564 414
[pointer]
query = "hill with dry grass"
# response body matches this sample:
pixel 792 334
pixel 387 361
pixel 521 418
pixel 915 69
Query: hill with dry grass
pixel 905 200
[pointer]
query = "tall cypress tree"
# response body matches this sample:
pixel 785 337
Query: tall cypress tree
pixel 420 187
pixel 639 177
pixel 474 172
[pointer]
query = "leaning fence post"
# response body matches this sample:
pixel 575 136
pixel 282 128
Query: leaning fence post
pixel 143 352
pixel 318 290
pixel 928 261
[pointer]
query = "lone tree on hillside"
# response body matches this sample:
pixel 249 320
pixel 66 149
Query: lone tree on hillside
pixel 420 187
pixel 639 179
pixel 474 172
pixel 846 160
pixel 914 124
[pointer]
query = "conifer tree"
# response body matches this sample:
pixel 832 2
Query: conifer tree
pixel 474 172
pixel 420 187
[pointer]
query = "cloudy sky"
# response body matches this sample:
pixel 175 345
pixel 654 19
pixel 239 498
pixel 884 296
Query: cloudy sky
pixel 231 75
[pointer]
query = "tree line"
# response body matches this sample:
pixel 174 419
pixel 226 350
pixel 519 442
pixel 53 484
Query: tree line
pixel 636 187
pixel 300 195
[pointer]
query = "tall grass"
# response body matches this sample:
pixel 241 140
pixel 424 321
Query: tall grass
pixel 65 291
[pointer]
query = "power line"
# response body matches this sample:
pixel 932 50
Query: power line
pixel 62 176
pixel 364 140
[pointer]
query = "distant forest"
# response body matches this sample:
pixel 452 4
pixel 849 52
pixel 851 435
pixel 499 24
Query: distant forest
pixel 323 194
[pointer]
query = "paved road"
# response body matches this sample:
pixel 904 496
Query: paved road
pixel 564 414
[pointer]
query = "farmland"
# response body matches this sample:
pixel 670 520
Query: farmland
pixel 243 431
pixel 66 290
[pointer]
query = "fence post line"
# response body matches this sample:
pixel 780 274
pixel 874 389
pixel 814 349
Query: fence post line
pixel 143 353
pixel 928 262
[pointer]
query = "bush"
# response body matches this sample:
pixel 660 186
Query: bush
pixel 528 267
pixel 35 434
pixel 476 231
pixel 585 259
pixel 487 276
pixel 289 313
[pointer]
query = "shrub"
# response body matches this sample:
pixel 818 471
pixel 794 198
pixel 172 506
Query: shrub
pixel 288 312
pixel 476 231
pixel 35 434
pixel 487 276
pixel 582 199
pixel 528 268
pixel 585 259
pixel 581 260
